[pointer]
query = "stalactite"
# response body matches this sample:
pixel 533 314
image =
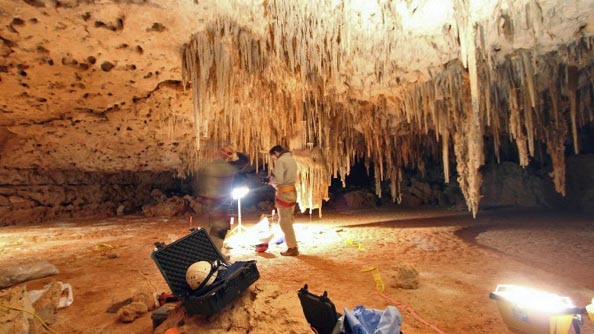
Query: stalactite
pixel 467 28
pixel 445 141
pixel 529 75
pixel 313 179
pixel 571 79
pixel 516 128
pixel 525 104
pixel 556 149
pixel 255 90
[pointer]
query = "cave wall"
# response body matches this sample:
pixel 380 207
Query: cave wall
pixel 506 184
pixel 580 182
pixel 35 196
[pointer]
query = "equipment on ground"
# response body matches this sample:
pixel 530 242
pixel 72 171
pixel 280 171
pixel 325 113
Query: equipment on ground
pixel 229 279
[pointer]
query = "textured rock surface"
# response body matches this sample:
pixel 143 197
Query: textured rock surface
pixel 94 86
pixel 33 196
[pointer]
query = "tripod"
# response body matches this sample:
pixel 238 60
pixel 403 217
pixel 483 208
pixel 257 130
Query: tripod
pixel 238 194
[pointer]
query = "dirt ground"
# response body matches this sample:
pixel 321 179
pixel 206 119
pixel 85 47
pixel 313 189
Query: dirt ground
pixel 460 260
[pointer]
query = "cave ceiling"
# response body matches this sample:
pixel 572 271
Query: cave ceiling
pixel 108 86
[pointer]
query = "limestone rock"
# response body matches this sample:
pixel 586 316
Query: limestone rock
pixel 404 276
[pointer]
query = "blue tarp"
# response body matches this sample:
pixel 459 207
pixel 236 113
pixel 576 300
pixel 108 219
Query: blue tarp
pixel 370 321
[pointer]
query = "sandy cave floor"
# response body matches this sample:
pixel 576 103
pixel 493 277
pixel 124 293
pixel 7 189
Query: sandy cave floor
pixel 460 260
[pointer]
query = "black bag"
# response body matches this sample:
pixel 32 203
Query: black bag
pixel 174 259
pixel 318 310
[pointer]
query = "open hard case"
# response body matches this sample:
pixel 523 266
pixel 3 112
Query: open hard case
pixel 174 259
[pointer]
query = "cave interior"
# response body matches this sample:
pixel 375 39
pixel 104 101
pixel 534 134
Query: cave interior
pixel 468 104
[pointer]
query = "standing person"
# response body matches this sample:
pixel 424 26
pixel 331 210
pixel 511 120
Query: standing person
pixel 212 187
pixel 283 180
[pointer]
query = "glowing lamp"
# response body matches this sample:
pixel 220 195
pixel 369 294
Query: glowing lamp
pixel 530 311
pixel 239 193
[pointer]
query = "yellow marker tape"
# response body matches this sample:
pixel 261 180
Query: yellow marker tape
pixel 359 246
pixel 379 284
pixel 102 247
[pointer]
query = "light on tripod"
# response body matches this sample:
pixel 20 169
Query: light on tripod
pixel 238 194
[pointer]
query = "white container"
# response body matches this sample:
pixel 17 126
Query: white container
pixel 529 311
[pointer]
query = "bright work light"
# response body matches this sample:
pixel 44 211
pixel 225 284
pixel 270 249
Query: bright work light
pixel 527 310
pixel 239 193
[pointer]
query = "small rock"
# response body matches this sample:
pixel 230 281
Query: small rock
pixel 132 311
pixel 405 277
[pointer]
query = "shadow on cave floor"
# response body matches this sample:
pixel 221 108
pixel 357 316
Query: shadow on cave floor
pixel 524 235
pixel 486 219
pixel 510 219
pixel 558 242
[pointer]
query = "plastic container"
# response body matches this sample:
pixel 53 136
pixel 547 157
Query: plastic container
pixel 529 311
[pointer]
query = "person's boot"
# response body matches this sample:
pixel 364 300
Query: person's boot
pixel 293 251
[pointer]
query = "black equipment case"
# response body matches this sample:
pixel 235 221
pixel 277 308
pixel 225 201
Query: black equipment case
pixel 319 311
pixel 174 259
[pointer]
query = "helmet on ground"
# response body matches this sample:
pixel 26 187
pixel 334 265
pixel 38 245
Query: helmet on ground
pixel 198 273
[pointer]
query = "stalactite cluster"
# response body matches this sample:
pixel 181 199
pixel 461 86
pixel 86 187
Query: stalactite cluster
pixel 536 98
pixel 292 85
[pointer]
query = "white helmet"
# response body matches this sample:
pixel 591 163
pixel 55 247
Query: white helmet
pixel 198 272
